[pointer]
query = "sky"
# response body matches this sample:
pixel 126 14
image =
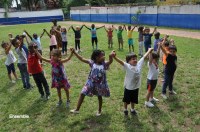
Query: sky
pixel 14 3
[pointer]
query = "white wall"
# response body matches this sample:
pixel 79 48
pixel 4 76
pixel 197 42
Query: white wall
pixel 57 12
pixel 173 9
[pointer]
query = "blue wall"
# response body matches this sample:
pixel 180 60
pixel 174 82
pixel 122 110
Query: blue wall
pixel 17 20
pixel 191 21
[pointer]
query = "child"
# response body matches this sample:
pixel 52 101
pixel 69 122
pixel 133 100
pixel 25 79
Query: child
pixel 140 40
pixel 64 40
pixel 53 42
pixel 36 40
pixel 97 81
pixel 10 60
pixel 156 41
pixel 63 33
pixel 119 37
pixel 130 37
pixel 94 35
pixel 58 37
pixel 35 69
pixel 22 63
pixel 77 34
pixel 170 68
pixel 132 79
pixel 152 78
pixel 59 77
pixel 147 38
pixel 109 35
pixel 166 47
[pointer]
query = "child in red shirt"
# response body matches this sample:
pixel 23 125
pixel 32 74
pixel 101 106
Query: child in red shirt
pixel 109 35
pixel 35 69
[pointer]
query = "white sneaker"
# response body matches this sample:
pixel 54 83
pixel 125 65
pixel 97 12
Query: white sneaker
pixel 13 81
pixel 164 96
pixel 154 100
pixel 149 104
pixel 98 113
pixel 74 111
pixel 172 92
pixel 68 103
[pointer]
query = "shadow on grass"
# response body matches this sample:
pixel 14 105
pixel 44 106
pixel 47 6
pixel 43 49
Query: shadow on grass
pixel 132 123
pixel 93 123
pixel 36 108
pixel 174 103
pixel 157 117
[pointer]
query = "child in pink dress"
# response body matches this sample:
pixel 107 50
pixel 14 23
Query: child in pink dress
pixel 59 77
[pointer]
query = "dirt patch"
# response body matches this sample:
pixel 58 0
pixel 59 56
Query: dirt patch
pixel 179 33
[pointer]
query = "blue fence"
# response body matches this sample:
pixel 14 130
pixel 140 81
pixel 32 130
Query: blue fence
pixel 17 20
pixel 169 20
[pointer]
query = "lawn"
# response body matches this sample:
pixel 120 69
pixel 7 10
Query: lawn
pixel 179 113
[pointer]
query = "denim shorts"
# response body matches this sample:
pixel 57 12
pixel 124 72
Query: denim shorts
pixel 10 68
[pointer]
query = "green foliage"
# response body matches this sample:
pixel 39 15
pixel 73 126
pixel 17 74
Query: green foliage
pixel 178 113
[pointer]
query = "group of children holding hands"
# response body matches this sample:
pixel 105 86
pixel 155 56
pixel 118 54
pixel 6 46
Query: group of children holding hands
pixel 30 63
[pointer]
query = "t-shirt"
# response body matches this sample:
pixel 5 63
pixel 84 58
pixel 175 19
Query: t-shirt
pixel 140 39
pixel 119 34
pixel 33 64
pixel 129 34
pixel 93 32
pixel 22 58
pixel 53 40
pixel 156 41
pixel 10 58
pixel 38 42
pixel 153 71
pixel 132 79
pixel 147 38
pixel 170 67
pixel 64 37
pixel 77 33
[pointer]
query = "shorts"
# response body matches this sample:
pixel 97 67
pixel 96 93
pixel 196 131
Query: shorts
pixel 120 40
pixel 94 40
pixel 151 84
pixel 10 68
pixel 131 96
pixel 130 41
pixel 110 41
pixel 53 47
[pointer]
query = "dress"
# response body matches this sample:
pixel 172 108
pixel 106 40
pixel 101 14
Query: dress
pixel 97 82
pixel 59 77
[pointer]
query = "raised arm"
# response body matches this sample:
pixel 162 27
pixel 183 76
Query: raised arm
pixel 148 52
pixel 133 28
pixel 150 58
pixel 118 60
pixel 81 27
pixel 81 58
pixel 162 47
pixel 67 59
pixel 124 28
pixel 40 56
pixel 42 34
pixel 73 28
pixel 110 58
pixel 154 30
pixel 100 27
pixel 8 49
pixel 28 34
pixel 105 29
pixel 87 27
pixel 47 32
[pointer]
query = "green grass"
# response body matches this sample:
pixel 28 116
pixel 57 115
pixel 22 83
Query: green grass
pixel 178 113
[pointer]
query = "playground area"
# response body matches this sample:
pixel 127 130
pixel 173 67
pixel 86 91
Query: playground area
pixel 178 113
